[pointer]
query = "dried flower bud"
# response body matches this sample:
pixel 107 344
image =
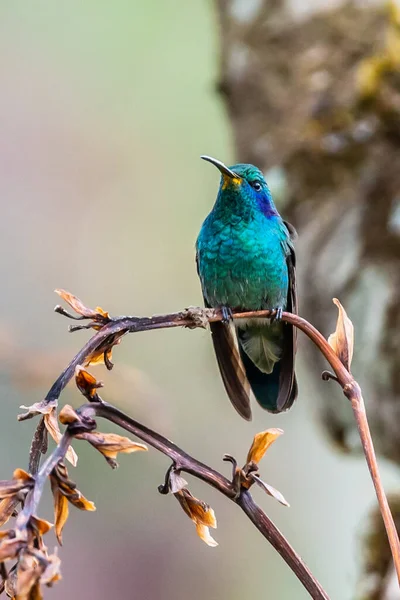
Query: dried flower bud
pixel 28 573
pixel 200 513
pixel 35 567
pixel 87 384
pixel 261 442
pixel 52 571
pixel 68 416
pixel 110 444
pixel 342 341
pixel 103 353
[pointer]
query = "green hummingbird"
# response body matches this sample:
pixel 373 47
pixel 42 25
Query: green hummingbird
pixel 246 260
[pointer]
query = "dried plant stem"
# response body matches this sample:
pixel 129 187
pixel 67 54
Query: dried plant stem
pixel 182 462
pixel 197 317
pixel 357 403
pixel 352 391
pixel 33 497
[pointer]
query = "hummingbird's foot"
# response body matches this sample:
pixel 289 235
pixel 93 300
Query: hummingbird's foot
pixel 227 315
pixel 277 316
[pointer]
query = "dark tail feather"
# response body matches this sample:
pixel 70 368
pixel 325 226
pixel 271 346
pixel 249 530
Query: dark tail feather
pixel 274 391
pixel 231 367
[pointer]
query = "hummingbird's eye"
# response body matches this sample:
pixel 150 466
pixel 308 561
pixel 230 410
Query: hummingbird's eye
pixel 256 185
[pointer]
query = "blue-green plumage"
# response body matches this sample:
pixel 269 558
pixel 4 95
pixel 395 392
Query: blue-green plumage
pixel 245 260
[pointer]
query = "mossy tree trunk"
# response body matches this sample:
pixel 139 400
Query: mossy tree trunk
pixel 314 99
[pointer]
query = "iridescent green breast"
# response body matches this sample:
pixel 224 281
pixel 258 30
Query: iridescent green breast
pixel 242 263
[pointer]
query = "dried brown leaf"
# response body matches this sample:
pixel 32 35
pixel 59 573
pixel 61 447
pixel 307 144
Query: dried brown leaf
pixel 342 340
pixel 110 444
pixel 200 513
pixel 261 442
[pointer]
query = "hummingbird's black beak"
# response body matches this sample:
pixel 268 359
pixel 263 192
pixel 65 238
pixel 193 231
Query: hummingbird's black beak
pixel 220 165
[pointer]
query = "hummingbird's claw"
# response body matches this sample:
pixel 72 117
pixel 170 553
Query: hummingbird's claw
pixel 227 315
pixel 277 316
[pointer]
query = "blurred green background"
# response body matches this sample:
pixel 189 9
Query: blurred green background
pixel 105 109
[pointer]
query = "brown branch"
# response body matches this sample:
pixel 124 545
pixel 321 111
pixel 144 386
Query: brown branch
pixel 197 317
pixel 181 462
pixel 352 391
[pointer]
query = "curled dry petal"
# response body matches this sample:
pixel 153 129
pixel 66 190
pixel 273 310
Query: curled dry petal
pixel 61 511
pixel 200 513
pixel 9 493
pixel 110 444
pixel 49 412
pixel 11 543
pixel 271 491
pixel 176 482
pixel 342 341
pixel 64 490
pixel 7 508
pixel 103 354
pixel 38 408
pixel 261 442
pixel 40 525
pixel 51 422
pixel 21 480
pixel 204 534
pixel 77 305
pixel 52 571
pixel 86 383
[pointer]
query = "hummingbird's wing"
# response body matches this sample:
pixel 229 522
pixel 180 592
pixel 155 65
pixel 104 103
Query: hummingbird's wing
pixel 287 377
pixel 230 365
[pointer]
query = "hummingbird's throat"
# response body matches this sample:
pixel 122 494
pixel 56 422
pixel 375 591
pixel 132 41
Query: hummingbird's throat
pixel 230 181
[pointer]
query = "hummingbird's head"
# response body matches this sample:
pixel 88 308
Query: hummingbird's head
pixel 244 184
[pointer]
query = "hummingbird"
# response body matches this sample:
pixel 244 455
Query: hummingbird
pixel 246 261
